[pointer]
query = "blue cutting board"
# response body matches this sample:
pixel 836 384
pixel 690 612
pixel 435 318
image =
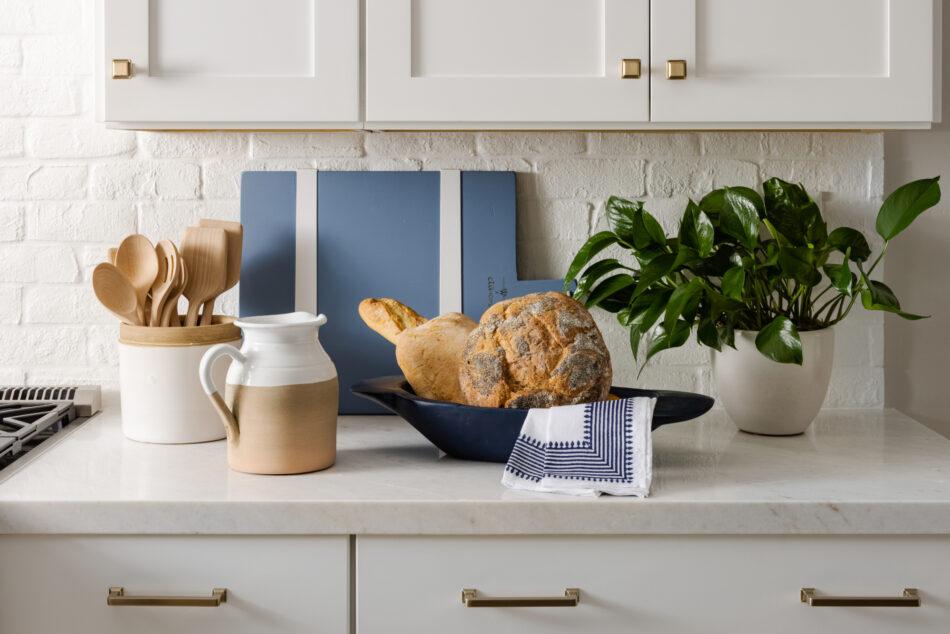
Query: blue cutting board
pixel 377 235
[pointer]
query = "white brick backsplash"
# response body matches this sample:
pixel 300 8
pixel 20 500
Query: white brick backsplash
pixel 81 222
pixel 198 146
pixel 11 222
pixel 146 180
pixel 643 145
pixel 11 55
pixel 308 145
pixel 11 305
pixel 70 189
pixel 590 178
pixel 58 182
pixel 11 139
pixel 72 139
pixel 39 96
pixel 530 144
pixel 63 304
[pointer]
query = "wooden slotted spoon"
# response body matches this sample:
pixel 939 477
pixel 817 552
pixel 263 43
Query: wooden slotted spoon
pixel 205 252
pixel 170 312
pixel 137 260
pixel 114 291
pixel 165 280
pixel 235 233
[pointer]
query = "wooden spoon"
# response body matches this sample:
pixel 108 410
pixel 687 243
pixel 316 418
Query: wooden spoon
pixel 136 258
pixel 110 258
pixel 165 280
pixel 235 233
pixel 205 251
pixel 114 291
pixel 170 312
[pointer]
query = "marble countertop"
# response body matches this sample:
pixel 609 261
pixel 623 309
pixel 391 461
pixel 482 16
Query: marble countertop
pixel 853 472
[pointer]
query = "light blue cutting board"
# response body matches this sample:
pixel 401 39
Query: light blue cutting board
pixel 377 235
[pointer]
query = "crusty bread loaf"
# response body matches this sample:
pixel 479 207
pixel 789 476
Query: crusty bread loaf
pixel 389 317
pixel 539 350
pixel 428 356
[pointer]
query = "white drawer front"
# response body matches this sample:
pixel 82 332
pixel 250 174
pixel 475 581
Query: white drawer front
pixel 651 584
pixel 274 584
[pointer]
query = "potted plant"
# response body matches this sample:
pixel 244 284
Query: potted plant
pixel 760 279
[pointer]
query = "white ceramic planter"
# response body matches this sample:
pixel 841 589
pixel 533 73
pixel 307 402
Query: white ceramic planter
pixel 774 399
pixel 161 396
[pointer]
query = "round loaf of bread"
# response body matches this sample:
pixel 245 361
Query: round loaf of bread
pixel 539 350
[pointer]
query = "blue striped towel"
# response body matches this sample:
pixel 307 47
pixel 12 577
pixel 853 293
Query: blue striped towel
pixel 588 449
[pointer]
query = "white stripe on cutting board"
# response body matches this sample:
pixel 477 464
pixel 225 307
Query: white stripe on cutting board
pixel 450 242
pixel 305 267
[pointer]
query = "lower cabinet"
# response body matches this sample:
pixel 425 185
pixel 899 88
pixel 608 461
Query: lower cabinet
pixel 650 584
pixel 273 584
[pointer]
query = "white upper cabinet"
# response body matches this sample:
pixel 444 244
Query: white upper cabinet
pixel 808 61
pixel 229 63
pixel 506 63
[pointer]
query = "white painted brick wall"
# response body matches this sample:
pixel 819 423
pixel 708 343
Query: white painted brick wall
pixel 69 189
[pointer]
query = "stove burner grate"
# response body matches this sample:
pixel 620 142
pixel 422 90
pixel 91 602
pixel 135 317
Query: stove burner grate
pixel 25 424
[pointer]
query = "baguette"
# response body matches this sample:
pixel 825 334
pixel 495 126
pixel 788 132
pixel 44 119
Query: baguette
pixel 389 317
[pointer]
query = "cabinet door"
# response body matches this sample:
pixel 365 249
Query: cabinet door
pixel 286 584
pixel 765 61
pixel 278 63
pixel 517 63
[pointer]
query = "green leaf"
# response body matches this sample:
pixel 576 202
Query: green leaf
pixel 653 228
pixel 799 264
pixel 844 238
pixel 904 205
pixel 794 213
pixel 646 310
pixel 679 300
pixel 593 273
pixel 779 341
pixel 841 277
pixel 654 272
pixel 879 296
pixel 594 245
pixel 661 340
pixel 621 217
pixel 696 230
pixel 739 217
pixel 733 281
pixel 712 204
pixel 607 288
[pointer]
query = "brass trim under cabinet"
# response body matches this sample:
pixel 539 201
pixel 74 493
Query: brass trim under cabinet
pixel 218 596
pixel 908 599
pixel 630 69
pixel 571 598
pixel 676 69
pixel 121 69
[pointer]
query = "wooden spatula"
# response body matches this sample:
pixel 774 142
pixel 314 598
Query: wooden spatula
pixel 114 290
pixel 205 252
pixel 235 241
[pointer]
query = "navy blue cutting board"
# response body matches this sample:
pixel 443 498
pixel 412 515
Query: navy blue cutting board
pixel 377 235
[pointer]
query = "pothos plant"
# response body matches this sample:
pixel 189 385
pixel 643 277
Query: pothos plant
pixel 741 261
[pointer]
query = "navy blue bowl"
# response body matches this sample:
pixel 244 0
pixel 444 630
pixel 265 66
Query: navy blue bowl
pixel 489 433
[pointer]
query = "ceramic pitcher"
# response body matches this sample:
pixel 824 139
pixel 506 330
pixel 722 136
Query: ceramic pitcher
pixel 280 402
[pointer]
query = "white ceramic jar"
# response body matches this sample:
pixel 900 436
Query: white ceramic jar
pixel 281 398
pixel 775 399
pixel 161 397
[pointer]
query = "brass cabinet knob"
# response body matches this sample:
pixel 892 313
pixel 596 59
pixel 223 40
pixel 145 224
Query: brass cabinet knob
pixel 121 69
pixel 630 69
pixel 676 69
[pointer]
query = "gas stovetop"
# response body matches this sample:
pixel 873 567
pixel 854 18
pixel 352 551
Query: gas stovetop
pixel 29 416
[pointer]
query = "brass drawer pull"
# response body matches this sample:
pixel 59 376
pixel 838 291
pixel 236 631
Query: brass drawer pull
pixel 571 598
pixel 218 596
pixel 908 599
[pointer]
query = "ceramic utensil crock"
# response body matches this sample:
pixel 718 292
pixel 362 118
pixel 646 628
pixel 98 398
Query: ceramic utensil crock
pixel 161 400
pixel 281 396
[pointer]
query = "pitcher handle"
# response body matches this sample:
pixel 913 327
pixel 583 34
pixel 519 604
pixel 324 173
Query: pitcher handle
pixel 207 383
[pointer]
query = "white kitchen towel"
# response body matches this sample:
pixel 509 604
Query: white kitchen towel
pixel 588 449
